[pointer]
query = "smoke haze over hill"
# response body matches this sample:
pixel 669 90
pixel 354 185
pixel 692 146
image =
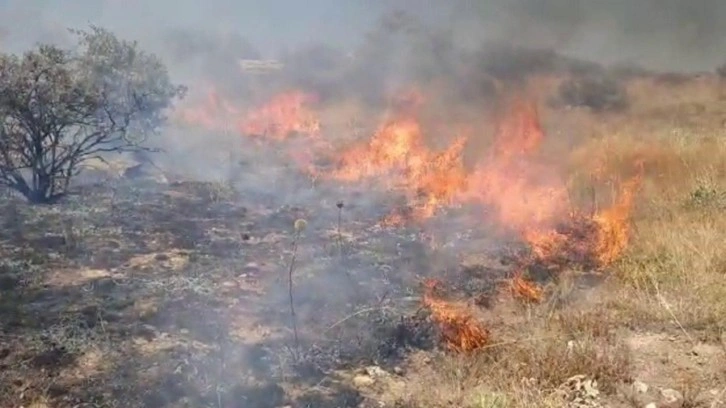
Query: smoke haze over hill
pixel 661 34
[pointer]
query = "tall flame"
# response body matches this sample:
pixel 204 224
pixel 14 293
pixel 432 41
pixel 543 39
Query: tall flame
pixel 613 232
pixel 526 195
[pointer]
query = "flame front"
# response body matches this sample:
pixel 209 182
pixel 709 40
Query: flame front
pixel 521 192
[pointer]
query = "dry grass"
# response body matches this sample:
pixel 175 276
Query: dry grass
pixel 529 366
pixel 675 264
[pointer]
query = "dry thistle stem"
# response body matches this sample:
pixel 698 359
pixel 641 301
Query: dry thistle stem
pixel 299 225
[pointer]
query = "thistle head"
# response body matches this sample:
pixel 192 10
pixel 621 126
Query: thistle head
pixel 300 225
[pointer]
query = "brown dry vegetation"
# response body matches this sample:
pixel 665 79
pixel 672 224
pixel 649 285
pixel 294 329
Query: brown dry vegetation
pixel 172 296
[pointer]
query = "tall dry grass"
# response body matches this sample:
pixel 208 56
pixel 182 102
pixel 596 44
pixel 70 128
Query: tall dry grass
pixel 675 265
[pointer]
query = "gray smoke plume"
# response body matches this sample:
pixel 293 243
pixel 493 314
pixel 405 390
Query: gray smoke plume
pixel 661 34
pixel 368 49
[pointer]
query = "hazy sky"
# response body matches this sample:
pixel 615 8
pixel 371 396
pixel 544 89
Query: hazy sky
pixel 675 34
pixel 269 23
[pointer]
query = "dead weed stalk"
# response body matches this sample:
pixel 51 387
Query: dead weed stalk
pixel 300 225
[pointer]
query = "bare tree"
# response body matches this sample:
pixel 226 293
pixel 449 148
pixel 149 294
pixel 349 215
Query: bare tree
pixel 60 107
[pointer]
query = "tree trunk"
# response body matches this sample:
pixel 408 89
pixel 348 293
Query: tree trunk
pixel 40 192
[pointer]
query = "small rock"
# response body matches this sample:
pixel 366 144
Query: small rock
pixel 363 381
pixel 651 405
pixel 251 268
pixel 375 371
pixel 146 332
pixel 671 397
pixel 8 282
pixel 710 398
pixel 398 370
pixel 161 257
pixel 702 349
pixel 640 387
pixel 104 284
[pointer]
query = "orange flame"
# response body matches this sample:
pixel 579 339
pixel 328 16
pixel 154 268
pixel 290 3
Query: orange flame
pixel 213 113
pixel 613 232
pixel 284 115
pixel 459 330
pixel 526 290
pixel 398 154
pixel 529 198
pixel 526 196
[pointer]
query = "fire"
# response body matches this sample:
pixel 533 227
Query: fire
pixel 458 328
pixel 284 115
pixel 525 290
pixel 613 232
pixel 212 113
pixel 522 192
pixel 530 198
pixel 525 194
pixel 397 153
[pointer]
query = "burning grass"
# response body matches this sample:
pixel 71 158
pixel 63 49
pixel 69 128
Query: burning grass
pixel 537 361
pixel 521 191
pixel 459 329
pixel 186 282
pixel 283 115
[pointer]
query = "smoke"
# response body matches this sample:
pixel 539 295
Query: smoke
pixel 660 34
pixel 664 35
pixel 369 49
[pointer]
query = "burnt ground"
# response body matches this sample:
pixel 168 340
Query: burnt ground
pixel 152 295
pixel 176 295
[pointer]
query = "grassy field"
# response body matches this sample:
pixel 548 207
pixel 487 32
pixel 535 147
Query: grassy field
pixel 140 294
